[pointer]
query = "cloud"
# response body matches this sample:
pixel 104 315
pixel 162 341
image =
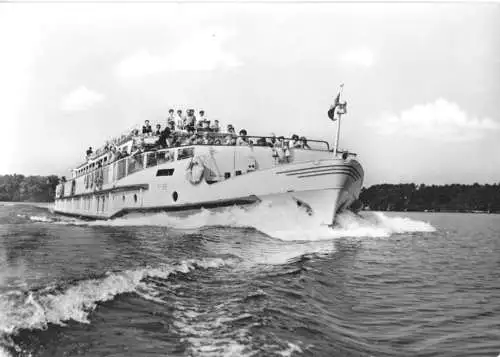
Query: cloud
pixel 202 51
pixel 441 120
pixel 79 99
pixel 358 56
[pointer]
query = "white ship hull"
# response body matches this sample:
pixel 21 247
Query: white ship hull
pixel 316 181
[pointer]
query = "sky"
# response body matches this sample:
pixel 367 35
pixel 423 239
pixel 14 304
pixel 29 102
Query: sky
pixel 422 80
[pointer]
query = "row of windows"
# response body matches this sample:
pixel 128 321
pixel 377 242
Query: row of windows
pixel 100 202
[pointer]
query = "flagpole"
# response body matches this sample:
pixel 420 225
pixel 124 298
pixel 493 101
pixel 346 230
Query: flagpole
pixel 337 133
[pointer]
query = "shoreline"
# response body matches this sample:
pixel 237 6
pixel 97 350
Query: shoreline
pixel 49 205
pixel 434 211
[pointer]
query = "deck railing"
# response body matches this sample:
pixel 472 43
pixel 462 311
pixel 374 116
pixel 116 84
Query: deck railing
pixel 114 171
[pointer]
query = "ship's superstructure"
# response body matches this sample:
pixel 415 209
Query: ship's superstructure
pixel 320 180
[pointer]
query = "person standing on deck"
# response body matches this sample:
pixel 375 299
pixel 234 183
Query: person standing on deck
pixel 170 118
pixel 146 128
pixel 180 120
pixel 89 152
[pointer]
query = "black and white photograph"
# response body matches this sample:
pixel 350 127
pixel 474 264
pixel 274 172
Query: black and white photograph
pixel 249 178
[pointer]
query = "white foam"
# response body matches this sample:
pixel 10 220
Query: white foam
pixel 35 310
pixel 291 349
pixel 40 219
pixel 4 352
pixel 287 223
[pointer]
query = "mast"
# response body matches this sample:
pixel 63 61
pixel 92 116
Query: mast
pixel 339 111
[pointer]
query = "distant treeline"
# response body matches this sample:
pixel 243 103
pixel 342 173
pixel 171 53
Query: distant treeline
pixel 385 197
pixel 411 197
pixel 20 188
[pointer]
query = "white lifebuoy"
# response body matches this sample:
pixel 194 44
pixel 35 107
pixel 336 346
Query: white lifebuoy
pixel 195 171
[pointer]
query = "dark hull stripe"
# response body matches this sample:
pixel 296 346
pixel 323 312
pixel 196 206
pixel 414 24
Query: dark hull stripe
pixel 355 178
pixel 177 208
pixel 311 168
pixel 312 173
pixel 308 168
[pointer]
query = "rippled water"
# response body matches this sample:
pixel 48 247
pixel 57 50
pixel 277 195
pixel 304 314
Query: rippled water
pixel 256 282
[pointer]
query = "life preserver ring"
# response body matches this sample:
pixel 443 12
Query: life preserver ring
pixel 195 171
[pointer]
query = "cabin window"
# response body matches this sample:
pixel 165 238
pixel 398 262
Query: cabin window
pixel 151 159
pixel 227 175
pixel 135 197
pixel 135 163
pixel 175 196
pixel 165 172
pixel 164 156
pixel 238 172
pixel 120 169
pixel 184 153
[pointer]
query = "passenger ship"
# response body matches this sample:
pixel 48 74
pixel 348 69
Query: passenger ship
pixel 319 180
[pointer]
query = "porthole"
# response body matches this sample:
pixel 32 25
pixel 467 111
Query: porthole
pixel 175 196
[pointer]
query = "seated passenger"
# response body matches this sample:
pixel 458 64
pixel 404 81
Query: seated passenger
pixel 295 141
pixel 214 127
pixel 261 142
pixel 281 150
pixel 171 126
pixel 189 138
pixel 158 130
pixel 205 125
pixel 230 138
pixel 199 125
pixel 242 139
pixel 207 138
pixel 202 116
pixel 146 128
pixel 176 140
pixel 200 139
pixel 303 143
pixel 191 119
pixel 271 142
pixel 286 151
pixel 134 150
pixel 89 152
pixel 164 138
pixel 124 152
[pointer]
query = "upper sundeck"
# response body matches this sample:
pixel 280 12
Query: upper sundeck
pixel 217 140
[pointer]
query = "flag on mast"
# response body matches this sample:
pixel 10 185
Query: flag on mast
pixel 337 106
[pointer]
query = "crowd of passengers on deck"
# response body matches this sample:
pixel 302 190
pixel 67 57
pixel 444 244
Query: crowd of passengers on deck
pixel 182 130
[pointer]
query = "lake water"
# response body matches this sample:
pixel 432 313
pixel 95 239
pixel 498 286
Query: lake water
pixel 255 282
